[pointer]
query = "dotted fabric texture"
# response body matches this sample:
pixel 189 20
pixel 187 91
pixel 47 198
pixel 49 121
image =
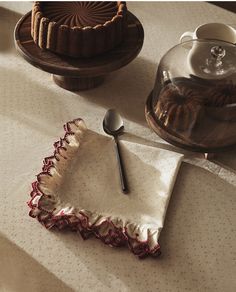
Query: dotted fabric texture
pixel 198 239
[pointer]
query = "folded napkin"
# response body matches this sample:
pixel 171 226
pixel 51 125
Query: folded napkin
pixel 79 188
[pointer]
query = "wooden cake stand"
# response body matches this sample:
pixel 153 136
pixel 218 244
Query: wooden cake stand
pixel 79 74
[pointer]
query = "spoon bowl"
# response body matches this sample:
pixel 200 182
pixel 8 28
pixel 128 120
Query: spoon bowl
pixel 113 123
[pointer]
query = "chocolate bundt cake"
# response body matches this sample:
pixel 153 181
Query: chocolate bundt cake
pixel 78 29
pixel 221 102
pixel 221 95
pixel 178 107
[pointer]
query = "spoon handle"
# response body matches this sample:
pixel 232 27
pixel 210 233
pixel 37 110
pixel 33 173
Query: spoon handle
pixel 121 167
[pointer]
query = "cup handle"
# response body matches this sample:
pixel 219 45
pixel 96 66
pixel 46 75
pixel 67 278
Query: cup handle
pixel 187 34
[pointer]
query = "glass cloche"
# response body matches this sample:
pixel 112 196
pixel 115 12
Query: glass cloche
pixel 193 102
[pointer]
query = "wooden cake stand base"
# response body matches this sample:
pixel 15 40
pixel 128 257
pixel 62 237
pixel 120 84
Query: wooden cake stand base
pixel 76 73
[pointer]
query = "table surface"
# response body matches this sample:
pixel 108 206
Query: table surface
pixel 198 240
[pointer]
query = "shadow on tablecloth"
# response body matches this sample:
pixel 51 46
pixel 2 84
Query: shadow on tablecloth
pixel 20 272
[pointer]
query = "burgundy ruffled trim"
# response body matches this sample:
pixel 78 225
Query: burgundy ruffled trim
pixel 78 221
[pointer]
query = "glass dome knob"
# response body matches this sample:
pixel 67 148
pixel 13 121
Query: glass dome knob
pixel 218 52
pixel 214 63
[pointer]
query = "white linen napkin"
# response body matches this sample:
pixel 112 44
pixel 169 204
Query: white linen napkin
pixel 79 188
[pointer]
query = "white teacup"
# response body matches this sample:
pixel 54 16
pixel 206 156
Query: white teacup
pixel 217 31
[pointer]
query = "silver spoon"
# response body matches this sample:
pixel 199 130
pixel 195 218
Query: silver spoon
pixel 113 125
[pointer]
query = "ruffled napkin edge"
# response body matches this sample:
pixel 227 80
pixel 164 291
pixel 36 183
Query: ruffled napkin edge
pixel 46 207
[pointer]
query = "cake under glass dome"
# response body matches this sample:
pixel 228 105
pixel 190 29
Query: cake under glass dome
pixel 193 102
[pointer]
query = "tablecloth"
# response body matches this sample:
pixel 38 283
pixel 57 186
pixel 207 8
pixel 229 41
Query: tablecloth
pixel 198 242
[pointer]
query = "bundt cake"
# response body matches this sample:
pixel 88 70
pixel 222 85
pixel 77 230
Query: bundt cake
pixel 221 102
pixel 221 95
pixel 178 107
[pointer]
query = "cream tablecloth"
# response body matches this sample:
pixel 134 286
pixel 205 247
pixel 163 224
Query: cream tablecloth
pixel 198 241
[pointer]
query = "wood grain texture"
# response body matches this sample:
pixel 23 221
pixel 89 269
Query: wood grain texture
pixel 77 67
